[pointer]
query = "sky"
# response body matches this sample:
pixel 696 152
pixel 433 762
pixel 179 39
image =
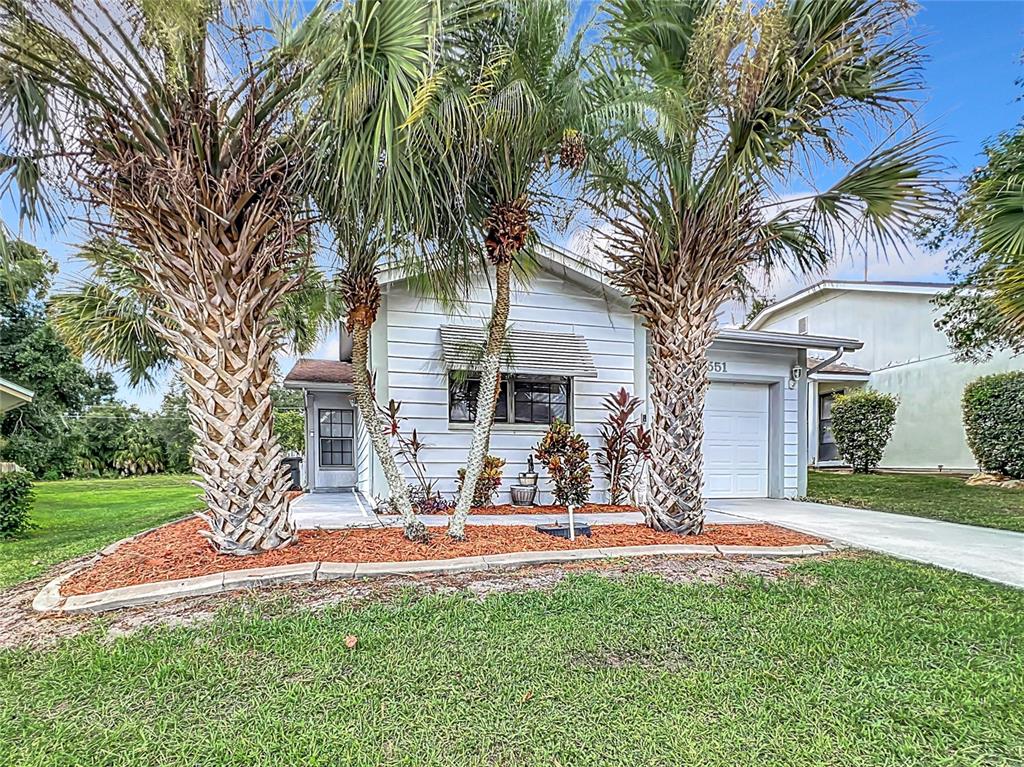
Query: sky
pixel 974 49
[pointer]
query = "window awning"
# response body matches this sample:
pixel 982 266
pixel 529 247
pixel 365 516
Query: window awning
pixel 527 352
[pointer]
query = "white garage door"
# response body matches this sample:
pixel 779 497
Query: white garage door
pixel 736 441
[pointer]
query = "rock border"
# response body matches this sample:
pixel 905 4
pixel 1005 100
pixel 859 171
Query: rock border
pixel 50 600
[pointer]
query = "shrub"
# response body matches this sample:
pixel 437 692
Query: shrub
pixel 994 421
pixel 487 483
pixel 567 457
pixel 619 455
pixel 862 424
pixel 15 502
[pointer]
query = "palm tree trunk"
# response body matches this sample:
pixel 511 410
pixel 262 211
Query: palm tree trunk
pixel 487 398
pixel 227 367
pixel 678 365
pixel 362 387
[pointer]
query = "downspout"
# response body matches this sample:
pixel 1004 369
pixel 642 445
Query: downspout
pixel 825 363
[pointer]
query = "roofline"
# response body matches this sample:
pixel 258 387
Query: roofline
pixel 18 391
pixel 847 376
pixel 558 261
pixel 316 385
pixel 789 340
pixel 907 288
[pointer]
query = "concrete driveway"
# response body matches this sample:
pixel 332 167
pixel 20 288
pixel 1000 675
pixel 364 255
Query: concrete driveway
pixel 995 555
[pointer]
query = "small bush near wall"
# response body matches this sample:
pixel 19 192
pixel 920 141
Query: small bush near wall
pixel 994 421
pixel 15 502
pixel 862 424
pixel 566 455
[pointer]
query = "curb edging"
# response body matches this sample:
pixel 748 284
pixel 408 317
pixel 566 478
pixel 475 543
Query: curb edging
pixel 50 600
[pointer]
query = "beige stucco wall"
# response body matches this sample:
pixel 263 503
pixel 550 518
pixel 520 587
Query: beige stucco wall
pixel 929 424
pixel 907 356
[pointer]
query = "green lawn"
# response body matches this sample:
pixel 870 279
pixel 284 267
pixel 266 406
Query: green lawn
pixel 75 517
pixel 922 495
pixel 868 661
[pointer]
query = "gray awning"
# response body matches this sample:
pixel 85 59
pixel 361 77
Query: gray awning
pixel 527 352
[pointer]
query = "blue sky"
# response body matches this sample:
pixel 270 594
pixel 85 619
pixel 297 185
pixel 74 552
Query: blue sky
pixel 975 49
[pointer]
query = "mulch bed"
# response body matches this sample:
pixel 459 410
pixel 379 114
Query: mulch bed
pixel 178 551
pixel 590 508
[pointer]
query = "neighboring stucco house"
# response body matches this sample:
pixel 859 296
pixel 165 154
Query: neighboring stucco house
pixel 903 354
pixel 573 340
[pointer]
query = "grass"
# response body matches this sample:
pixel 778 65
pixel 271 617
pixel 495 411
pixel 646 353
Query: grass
pixel 75 517
pixel 922 495
pixel 851 661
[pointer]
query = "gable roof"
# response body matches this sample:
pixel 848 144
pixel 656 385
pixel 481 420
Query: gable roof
pixel 806 294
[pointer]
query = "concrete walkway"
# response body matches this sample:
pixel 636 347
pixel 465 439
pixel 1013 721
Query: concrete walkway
pixel 995 555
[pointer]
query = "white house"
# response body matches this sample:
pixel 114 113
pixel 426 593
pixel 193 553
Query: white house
pixel 573 340
pixel 12 395
pixel 903 354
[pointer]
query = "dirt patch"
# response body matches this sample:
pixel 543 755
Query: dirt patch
pixel 178 551
pixel 20 626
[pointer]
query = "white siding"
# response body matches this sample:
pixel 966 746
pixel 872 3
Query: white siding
pixel 417 378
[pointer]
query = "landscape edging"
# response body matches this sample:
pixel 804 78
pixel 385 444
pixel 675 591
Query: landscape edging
pixel 50 600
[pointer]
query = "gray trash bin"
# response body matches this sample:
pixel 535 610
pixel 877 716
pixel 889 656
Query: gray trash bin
pixel 294 465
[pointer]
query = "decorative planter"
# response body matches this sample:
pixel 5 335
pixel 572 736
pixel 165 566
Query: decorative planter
pixel 528 478
pixel 523 495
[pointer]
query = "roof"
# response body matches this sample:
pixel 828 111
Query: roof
pixel 790 340
pixel 526 352
pixel 837 368
pixel 12 395
pixel 906 288
pixel 312 371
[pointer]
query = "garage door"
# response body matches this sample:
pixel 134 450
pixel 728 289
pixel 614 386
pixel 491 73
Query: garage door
pixel 736 441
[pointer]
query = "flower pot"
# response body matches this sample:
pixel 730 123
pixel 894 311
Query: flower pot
pixel 523 495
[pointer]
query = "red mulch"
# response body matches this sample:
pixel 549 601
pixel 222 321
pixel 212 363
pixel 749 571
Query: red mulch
pixel 590 508
pixel 178 551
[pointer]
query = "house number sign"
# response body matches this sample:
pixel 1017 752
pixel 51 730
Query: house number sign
pixel 719 367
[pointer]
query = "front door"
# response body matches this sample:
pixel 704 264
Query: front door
pixel 335 447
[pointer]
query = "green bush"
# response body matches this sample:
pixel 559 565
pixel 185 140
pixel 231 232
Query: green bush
pixel 15 502
pixel 566 455
pixel 487 483
pixel 862 424
pixel 994 420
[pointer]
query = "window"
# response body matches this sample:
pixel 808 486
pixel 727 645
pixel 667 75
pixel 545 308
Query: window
pixel 462 400
pixel 336 438
pixel 533 399
pixel 801 326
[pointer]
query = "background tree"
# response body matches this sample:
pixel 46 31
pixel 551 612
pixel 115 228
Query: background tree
pixel 383 172
pixel 984 229
pixel 41 436
pixel 525 71
pixel 713 107
pixel 174 125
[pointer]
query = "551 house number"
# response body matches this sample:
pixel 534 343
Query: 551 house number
pixel 718 367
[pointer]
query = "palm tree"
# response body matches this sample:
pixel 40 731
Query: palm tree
pixel 525 74
pixel 385 175
pixel 715 107
pixel 177 129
